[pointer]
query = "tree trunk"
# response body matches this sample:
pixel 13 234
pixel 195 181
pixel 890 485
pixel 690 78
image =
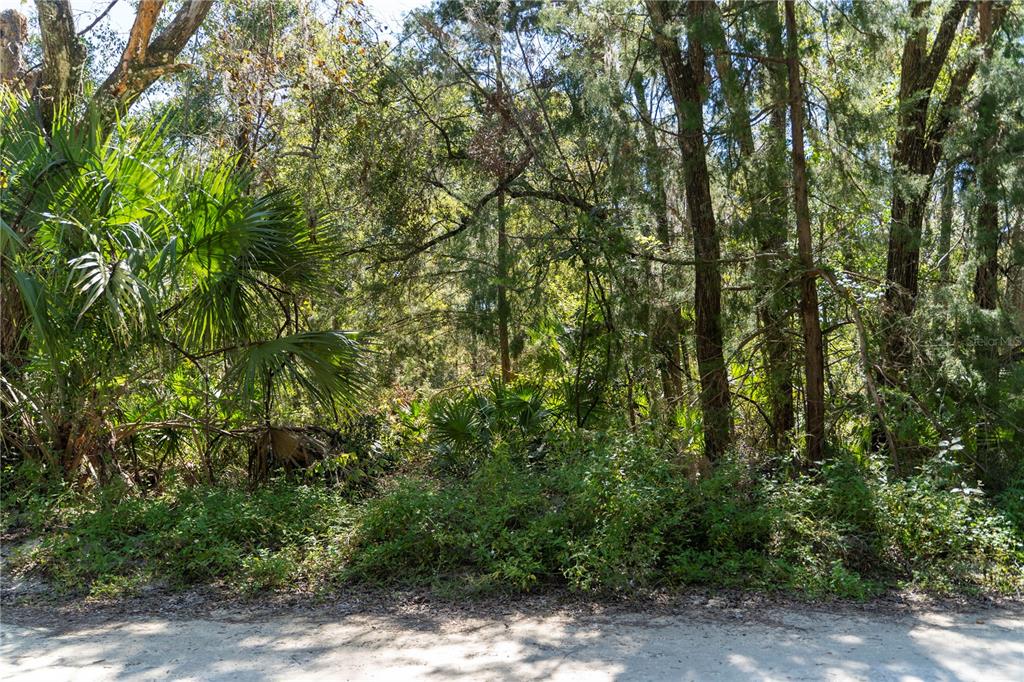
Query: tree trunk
pixel 986 240
pixel 504 312
pixel 774 310
pixel 1013 297
pixel 13 33
pixel 986 292
pixel 503 305
pixel 667 328
pixel 987 232
pixel 685 79
pixel 767 217
pixel 918 150
pixel 946 221
pixel 814 362
pixel 63 56
pixel 145 60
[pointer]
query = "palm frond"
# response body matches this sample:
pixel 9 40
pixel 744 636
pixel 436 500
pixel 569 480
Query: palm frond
pixel 457 423
pixel 10 241
pixel 240 256
pixel 328 365
pixel 36 301
pixel 129 303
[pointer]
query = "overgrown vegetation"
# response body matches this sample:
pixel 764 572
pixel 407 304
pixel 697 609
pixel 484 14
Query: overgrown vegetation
pixel 525 294
pixel 588 510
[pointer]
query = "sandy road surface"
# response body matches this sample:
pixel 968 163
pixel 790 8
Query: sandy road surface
pixel 772 643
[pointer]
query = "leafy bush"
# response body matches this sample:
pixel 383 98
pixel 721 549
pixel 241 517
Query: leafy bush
pixel 619 514
pixel 498 525
pixel 598 512
pixel 464 427
pixel 191 536
pixel 946 539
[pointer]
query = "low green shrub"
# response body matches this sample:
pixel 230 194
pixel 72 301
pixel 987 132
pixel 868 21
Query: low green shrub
pixel 498 524
pixel 186 536
pixel 596 512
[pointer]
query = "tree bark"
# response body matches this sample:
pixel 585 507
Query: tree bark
pixel 504 311
pixel 503 305
pixel 767 217
pixel 814 362
pixel 986 238
pixel 144 60
pixel 918 150
pixel 667 327
pixel 1013 295
pixel 946 221
pixel 685 79
pixel 986 293
pixel 775 312
pixel 63 56
pixel 13 33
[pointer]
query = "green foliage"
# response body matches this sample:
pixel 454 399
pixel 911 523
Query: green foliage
pixel 465 426
pixel 602 512
pixel 507 179
pixel 253 541
pixel 155 286
pixel 618 514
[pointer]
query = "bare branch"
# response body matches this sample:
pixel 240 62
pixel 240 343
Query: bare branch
pixel 98 19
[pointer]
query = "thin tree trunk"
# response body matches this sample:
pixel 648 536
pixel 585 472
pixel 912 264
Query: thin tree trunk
pixel 1013 298
pixel 987 237
pixel 667 328
pixel 814 363
pixel 503 305
pixel 776 302
pixel 986 291
pixel 685 79
pixel 767 218
pixel 684 355
pixel 946 221
pixel 504 312
pixel 987 233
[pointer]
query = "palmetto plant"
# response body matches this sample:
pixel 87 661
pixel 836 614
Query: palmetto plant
pixel 124 259
pixel 459 424
pixel 464 427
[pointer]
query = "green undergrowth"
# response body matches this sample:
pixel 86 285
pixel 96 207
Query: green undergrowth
pixel 592 514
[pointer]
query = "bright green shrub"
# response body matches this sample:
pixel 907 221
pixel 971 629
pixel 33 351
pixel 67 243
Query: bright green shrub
pixel 197 535
pixel 596 512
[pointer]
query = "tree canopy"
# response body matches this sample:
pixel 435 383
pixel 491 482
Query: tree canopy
pixel 785 234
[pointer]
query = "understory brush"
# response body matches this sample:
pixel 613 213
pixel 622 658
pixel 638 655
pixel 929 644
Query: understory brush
pixel 606 512
pixel 110 543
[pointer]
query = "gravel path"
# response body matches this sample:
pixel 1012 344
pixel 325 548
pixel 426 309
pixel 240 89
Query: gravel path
pixel 773 643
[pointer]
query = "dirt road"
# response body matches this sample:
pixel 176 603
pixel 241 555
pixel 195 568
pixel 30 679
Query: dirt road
pixel 782 643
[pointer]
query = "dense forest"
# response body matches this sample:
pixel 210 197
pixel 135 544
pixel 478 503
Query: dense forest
pixel 600 293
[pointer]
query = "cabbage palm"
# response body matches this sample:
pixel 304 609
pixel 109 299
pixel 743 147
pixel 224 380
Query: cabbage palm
pixel 122 259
